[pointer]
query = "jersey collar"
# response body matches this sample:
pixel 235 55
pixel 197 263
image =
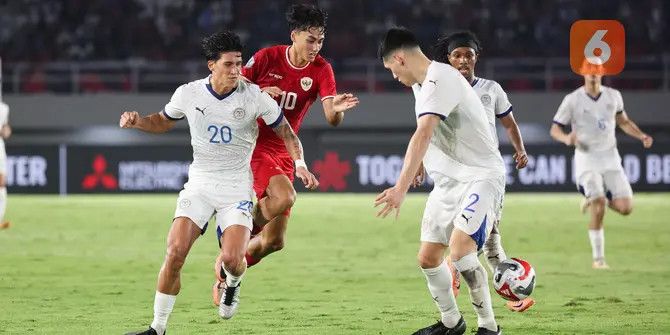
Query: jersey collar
pixel 288 61
pixel 217 95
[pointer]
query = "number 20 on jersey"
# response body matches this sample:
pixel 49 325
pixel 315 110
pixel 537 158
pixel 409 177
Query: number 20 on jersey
pixel 597 47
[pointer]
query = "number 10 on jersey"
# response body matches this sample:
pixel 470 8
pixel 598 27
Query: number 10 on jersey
pixel 288 100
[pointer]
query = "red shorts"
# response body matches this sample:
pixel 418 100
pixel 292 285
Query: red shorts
pixel 265 165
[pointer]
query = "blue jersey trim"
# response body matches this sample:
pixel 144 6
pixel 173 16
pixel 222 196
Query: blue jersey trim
pixel 558 123
pixel 474 82
pixel 509 110
pixel 596 97
pixel 480 235
pixel 217 95
pixel 170 117
pixel 442 117
pixel 278 121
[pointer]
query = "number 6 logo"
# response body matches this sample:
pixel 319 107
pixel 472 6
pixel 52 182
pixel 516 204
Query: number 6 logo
pixel 597 47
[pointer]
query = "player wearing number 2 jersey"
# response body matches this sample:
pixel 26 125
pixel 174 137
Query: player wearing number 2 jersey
pixel 295 76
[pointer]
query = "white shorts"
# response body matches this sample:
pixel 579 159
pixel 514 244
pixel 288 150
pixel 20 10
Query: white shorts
pixel 612 184
pixel 200 202
pixel 472 207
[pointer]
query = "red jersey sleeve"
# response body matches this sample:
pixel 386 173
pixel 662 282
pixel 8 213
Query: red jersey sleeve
pixel 326 79
pixel 255 66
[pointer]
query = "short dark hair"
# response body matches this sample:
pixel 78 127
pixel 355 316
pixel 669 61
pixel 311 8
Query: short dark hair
pixel 396 38
pixel 220 42
pixel 447 43
pixel 304 16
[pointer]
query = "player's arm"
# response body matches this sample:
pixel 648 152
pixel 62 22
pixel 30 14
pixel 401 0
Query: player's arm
pixel 416 150
pixel 514 135
pixel 6 131
pixel 561 119
pixel 294 148
pixel 334 107
pixel 153 123
pixel 631 129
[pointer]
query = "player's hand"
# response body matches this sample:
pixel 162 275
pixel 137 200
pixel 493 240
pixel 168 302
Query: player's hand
pixel 217 267
pixel 273 91
pixel 344 102
pixel 307 178
pixel 571 140
pixel 521 159
pixel 647 141
pixel 129 119
pixel 392 199
pixel 420 176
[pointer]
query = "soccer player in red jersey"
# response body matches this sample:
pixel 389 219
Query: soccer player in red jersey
pixel 294 75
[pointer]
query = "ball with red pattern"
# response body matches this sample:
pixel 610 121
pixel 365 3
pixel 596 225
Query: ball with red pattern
pixel 514 279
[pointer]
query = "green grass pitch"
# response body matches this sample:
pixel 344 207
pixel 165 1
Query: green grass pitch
pixel 88 264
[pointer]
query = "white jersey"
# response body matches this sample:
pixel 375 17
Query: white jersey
pixel 223 130
pixel 4 118
pixel 593 119
pixel 462 146
pixel 494 99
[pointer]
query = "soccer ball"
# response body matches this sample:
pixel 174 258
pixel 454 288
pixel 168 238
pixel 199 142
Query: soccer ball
pixel 514 279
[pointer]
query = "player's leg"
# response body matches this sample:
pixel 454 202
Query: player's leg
pixel 619 191
pixel 592 186
pixel 279 198
pixel 3 200
pixel 234 228
pixel 471 228
pixel 435 229
pixel 190 221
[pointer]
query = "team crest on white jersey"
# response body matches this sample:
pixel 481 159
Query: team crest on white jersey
pixel 306 83
pixel 486 100
pixel 238 113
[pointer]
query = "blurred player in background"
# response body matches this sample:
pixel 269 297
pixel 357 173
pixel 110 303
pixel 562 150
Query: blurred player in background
pixel 462 50
pixel 593 112
pixel 5 132
pixel 222 112
pixel 453 137
pixel 294 75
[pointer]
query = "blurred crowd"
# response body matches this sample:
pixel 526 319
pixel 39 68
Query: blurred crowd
pixel 49 30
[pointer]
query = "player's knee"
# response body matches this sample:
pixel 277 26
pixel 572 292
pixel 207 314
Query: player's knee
pixel 428 261
pixel 599 202
pixel 287 199
pixel 625 209
pixel 232 260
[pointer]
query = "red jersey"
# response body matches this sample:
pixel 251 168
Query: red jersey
pixel 271 67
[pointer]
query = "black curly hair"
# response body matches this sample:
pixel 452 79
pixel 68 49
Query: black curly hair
pixel 304 16
pixel 447 43
pixel 220 42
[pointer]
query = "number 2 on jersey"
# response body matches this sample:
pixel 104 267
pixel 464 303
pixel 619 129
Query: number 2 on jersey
pixel 288 100
pixel 222 133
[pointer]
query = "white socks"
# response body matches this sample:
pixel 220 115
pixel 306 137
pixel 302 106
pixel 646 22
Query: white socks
pixel 439 285
pixel 475 276
pixel 3 203
pixel 232 281
pixel 597 238
pixel 494 252
pixel 163 304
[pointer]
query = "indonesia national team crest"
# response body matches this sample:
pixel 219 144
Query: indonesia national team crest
pixel 306 83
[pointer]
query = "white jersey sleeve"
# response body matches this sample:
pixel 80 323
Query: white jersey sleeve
pixel 269 111
pixel 440 102
pixel 618 102
pixel 4 113
pixel 503 105
pixel 563 116
pixel 175 109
